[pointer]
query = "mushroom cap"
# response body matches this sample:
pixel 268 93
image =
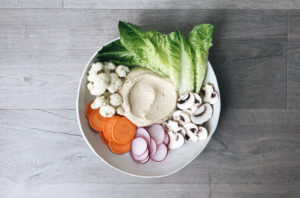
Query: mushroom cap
pixel 198 99
pixel 186 101
pixel 181 117
pixel 172 125
pixel 199 116
pixel 202 133
pixel 182 131
pixel 210 96
pixel 191 129
pixel 176 140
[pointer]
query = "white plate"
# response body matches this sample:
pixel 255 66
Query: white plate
pixel 176 159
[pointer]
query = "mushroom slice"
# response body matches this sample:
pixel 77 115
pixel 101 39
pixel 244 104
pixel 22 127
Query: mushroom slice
pixel 181 117
pixel 199 116
pixel 172 125
pixel 186 101
pixel 191 130
pixel 198 99
pixel 176 140
pixel 210 95
pixel 202 133
pixel 182 131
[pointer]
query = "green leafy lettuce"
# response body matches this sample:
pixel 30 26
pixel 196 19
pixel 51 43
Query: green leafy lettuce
pixel 184 62
pixel 200 39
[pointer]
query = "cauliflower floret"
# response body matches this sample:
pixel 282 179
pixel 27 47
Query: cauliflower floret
pixel 94 90
pixel 92 75
pixel 99 102
pixel 107 111
pixel 120 110
pixel 113 87
pixel 115 99
pixel 100 84
pixel 110 66
pixel 93 72
pixel 105 77
pixel 113 77
pixel 97 66
pixel 122 70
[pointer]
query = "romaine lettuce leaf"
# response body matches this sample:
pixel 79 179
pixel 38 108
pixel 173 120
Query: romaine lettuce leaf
pixel 115 52
pixel 149 46
pixel 169 55
pixel 200 39
pixel 181 58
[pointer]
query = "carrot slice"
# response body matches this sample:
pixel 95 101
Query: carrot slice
pixel 88 110
pixel 119 148
pixel 108 126
pixel 105 141
pixel 96 120
pixel 123 131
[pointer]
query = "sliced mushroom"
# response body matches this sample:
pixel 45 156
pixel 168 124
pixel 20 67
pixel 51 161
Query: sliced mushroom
pixel 202 114
pixel 202 133
pixel 181 117
pixel 198 99
pixel 172 125
pixel 191 130
pixel 182 131
pixel 176 140
pixel 186 101
pixel 210 95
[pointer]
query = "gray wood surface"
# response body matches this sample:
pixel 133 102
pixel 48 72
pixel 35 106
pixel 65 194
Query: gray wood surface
pixel 294 60
pixel 180 4
pixel 153 4
pixel 255 151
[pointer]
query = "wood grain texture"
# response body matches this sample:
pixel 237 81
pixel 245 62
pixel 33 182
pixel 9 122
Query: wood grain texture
pixel 294 60
pixel 254 153
pixel 187 4
pixel 43 52
pixel 31 3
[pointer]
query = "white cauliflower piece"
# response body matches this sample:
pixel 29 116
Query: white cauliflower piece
pixel 110 66
pixel 107 111
pixel 113 87
pixel 97 66
pixel 94 91
pixel 115 99
pixel 100 84
pixel 92 75
pixel 120 110
pixel 99 102
pixel 122 70
pixel 113 77
pixel 93 72
pixel 103 76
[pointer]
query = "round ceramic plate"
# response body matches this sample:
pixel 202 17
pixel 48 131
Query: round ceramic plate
pixel 176 159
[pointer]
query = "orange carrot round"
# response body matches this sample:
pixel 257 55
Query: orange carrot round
pixel 118 148
pixel 88 110
pixel 104 140
pixel 124 131
pixel 108 127
pixel 96 120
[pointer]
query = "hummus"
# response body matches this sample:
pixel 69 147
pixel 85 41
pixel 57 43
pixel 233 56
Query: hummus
pixel 147 97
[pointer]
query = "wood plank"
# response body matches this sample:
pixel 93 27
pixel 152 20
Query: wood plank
pixel 43 52
pixel 294 60
pixel 254 153
pixel 187 4
pixel 31 3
